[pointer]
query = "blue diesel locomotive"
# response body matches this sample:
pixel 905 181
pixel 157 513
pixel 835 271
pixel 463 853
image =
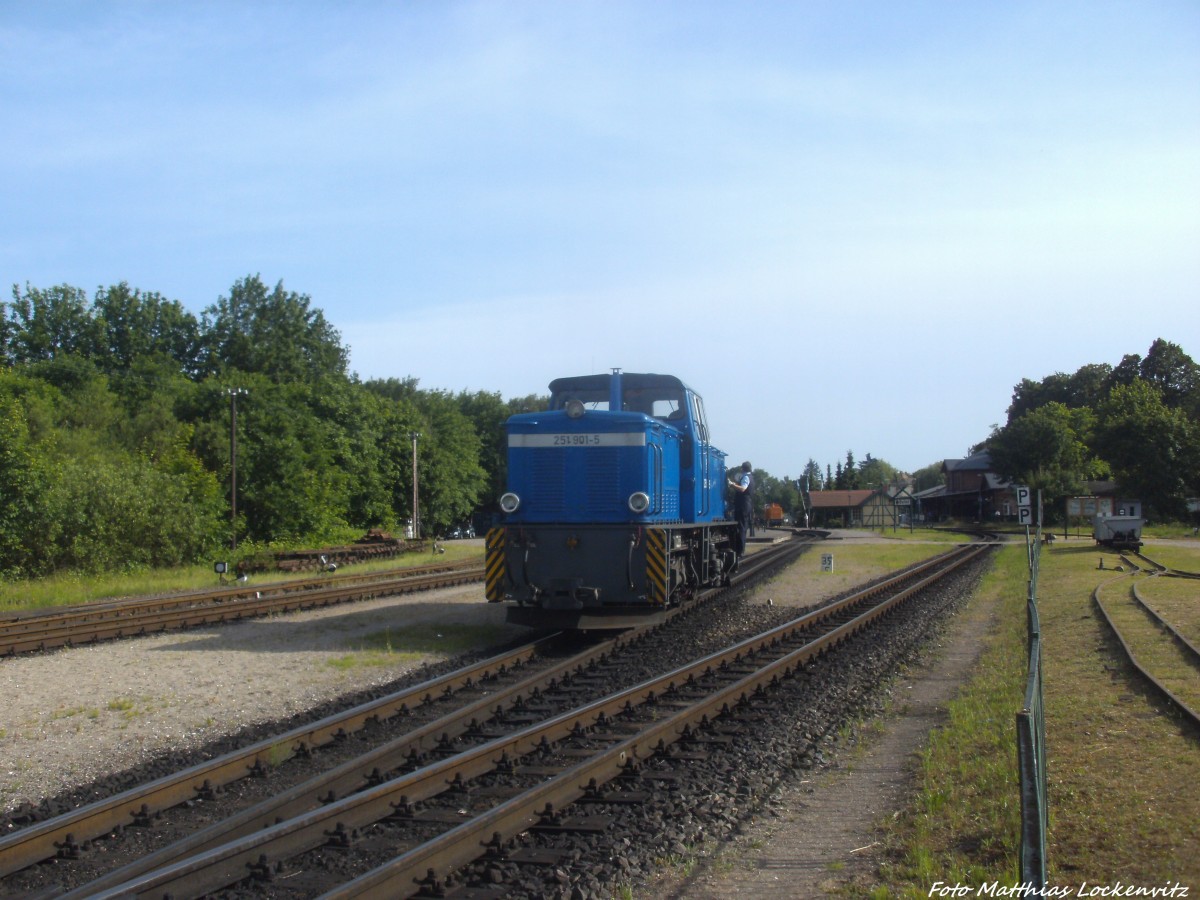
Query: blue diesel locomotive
pixel 615 506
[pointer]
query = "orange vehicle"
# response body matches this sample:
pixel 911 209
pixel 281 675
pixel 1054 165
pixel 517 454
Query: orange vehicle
pixel 773 514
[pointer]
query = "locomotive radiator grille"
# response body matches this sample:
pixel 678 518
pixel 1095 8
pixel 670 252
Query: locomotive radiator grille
pixel 656 565
pixel 494 567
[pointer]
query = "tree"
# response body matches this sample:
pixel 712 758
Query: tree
pixel 1174 373
pixel 133 325
pixel 1046 448
pixel 1086 387
pixel 929 476
pixel 1154 450
pixel 876 472
pixel 487 413
pixel 44 324
pixel 24 479
pixel 451 479
pixel 274 333
pixel 811 477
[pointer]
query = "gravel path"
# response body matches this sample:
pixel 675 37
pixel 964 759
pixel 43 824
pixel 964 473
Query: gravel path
pixel 76 714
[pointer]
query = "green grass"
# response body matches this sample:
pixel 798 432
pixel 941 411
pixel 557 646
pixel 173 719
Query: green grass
pixel 1185 558
pixel 1153 646
pixel 405 645
pixel 926 535
pixel 1171 531
pixel 1177 601
pixel 71 588
pixel 1124 776
pixel 963 823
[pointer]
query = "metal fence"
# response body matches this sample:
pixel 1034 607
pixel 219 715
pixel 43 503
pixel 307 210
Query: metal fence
pixel 1031 734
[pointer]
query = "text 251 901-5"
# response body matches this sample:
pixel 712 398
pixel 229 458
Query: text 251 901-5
pixel 576 440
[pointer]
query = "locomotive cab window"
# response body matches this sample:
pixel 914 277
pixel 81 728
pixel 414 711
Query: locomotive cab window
pixel 590 399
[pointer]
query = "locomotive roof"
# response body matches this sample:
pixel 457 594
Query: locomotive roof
pixel 628 379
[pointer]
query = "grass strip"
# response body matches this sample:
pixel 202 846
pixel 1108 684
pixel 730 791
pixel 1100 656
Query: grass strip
pixel 1124 771
pixel 1177 600
pixel 71 588
pixel 963 824
pixel 1155 649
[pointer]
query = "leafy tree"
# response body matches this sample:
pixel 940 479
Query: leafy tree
pixel 44 324
pixel 133 325
pixel 1128 369
pixel 85 412
pixel 24 478
pixel 1154 450
pixel 274 333
pixel 151 391
pixel 877 472
pixel 928 476
pixel 1086 387
pixel 1047 448
pixel 1175 374
pixel 450 477
pixel 487 413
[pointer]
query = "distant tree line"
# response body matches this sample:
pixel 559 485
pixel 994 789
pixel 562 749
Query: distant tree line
pixel 115 431
pixel 1137 423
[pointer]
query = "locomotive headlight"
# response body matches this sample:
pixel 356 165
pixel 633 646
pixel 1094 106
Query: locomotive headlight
pixel 510 503
pixel 639 502
pixel 574 408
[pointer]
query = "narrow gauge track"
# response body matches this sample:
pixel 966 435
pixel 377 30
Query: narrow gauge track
pixel 474 692
pixel 30 632
pixel 1159 567
pixel 1188 650
pixel 536 759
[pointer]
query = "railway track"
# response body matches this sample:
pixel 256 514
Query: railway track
pixel 1157 650
pixel 519 732
pixel 473 692
pixel 30 632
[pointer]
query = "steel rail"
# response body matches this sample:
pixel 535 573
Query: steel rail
pixel 1165 570
pixel 408 873
pixel 64 834
pixel 155 616
pixel 12 620
pixel 43 840
pixel 231 862
pixel 1190 649
pixel 1171 697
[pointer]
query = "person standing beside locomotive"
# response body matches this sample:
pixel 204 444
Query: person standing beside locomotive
pixel 742 482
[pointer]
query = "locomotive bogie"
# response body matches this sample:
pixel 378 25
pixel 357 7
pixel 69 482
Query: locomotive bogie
pixel 603 576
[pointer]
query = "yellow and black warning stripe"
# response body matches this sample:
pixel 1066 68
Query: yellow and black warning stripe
pixel 495 569
pixel 656 565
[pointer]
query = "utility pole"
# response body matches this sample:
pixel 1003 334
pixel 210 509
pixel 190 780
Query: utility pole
pixel 233 395
pixel 416 517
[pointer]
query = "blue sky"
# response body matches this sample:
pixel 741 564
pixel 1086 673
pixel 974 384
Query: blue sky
pixel 849 226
